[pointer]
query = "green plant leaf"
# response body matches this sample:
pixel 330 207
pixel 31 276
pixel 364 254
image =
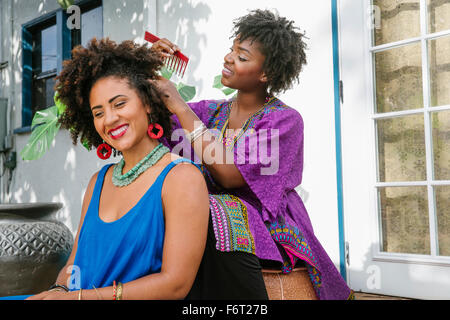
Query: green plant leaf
pixel 228 91
pixel 65 3
pixel 85 144
pixel 166 73
pixel 44 128
pixel 218 82
pixel 186 92
pixel 218 85
pixel 61 106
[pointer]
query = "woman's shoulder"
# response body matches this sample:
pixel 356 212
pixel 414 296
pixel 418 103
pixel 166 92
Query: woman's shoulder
pixel 183 168
pixel 184 178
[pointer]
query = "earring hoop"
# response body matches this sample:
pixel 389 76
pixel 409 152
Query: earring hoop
pixel 100 151
pixel 153 135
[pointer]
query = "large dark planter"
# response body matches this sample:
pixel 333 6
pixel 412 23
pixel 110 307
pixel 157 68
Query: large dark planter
pixel 34 247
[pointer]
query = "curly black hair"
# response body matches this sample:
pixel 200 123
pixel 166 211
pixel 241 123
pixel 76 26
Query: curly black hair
pixel 100 59
pixel 283 47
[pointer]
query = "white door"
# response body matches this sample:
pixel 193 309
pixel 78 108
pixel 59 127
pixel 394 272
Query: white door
pixel 395 68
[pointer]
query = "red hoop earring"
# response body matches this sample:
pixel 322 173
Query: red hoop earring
pixel 150 131
pixel 101 154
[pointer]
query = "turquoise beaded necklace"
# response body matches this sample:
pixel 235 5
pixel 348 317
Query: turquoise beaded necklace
pixel 122 180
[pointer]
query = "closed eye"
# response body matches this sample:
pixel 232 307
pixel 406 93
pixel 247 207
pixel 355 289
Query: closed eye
pixel 239 57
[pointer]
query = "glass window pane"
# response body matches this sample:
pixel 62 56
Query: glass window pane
pixel 399 20
pixel 401 149
pixel 43 93
pixel 48 49
pixel 404 220
pixel 443 219
pixel 438 15
pixel 439 53
pixel 37 54
pixel 91 25
pixel 441 144
pixel 398 75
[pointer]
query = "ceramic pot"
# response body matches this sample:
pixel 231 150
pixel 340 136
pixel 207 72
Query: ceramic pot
pixel 34 247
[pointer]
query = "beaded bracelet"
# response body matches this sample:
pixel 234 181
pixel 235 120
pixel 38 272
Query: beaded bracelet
pixel 119 291
pixel 114 290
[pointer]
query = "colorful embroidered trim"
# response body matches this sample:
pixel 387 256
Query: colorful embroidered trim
pixel 351 295
pixel 230 224
pixel 296 247
pixel 220 112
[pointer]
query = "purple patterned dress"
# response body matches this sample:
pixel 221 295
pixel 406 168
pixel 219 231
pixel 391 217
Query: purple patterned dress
pixel 267 217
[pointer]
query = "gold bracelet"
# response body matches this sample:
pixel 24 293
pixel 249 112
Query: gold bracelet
pixel 79 294
pixel 119 291
pixel 98 294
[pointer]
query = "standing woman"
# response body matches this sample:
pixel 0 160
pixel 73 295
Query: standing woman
pixel 257 217
pixel 144 219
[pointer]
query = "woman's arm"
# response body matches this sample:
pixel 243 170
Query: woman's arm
pixel 186 211
pixel 218 160
pixel 226 174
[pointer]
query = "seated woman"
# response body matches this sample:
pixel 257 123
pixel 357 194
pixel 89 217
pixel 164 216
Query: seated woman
pixel 251 151
pixel 144 219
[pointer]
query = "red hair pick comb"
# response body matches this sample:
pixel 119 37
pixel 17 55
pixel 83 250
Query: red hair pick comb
pixel 177 62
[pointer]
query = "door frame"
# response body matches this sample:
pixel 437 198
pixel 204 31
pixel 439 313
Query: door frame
pixel 368 268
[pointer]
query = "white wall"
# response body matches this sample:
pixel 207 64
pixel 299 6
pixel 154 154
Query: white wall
pixel 202 30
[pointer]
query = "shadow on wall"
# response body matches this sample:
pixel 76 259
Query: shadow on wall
pixel 63 173
pixel 177 22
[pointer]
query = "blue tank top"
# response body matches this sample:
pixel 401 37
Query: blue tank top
pixel 123 250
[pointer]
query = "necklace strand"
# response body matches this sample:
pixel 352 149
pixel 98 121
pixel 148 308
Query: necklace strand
pixel 122 180
pixel 231 141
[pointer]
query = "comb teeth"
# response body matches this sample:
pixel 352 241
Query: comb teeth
pixel 176 63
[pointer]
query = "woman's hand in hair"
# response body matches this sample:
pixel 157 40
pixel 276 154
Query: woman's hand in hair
pixel 165 47
pixel 169 94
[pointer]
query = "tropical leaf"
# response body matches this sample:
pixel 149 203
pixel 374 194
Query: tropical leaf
pixel 85 144
pixel 186 92
pixel 65 3
pixel 166 73
pixel 59 105
pixel 44 128
pixel 217 84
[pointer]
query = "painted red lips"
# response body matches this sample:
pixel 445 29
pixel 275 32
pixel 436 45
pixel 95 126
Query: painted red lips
pixel 118 132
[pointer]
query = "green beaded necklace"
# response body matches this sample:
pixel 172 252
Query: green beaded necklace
pixel 121 180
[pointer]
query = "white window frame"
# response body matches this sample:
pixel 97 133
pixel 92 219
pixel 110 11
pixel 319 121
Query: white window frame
pixel 430 183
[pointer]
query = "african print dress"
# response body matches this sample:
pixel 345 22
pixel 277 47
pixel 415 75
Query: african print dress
pixel 266 217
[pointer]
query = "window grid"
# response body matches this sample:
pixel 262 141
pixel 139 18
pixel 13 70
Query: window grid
pixel 430 183
pixel 57 17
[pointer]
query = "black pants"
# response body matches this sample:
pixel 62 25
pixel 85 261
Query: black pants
pixel 227 275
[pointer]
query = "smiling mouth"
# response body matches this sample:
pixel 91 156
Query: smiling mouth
pixel 226 72
pixel 116 134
